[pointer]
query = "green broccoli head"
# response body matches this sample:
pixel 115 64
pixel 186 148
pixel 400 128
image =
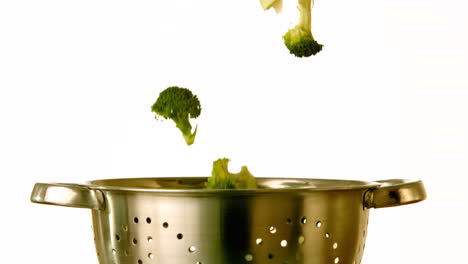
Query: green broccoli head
pixel 301 43
pixel 178 104
pixel 299 40
pixel 221 178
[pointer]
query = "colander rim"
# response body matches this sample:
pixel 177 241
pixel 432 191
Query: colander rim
pixel 109 184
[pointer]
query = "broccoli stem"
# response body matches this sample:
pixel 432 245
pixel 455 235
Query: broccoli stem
pixel 190 137
pixel 305 14
pixel 183 124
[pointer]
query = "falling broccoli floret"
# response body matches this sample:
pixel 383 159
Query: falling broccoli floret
pixel 221 178
pixel 299 40
pixel 179 104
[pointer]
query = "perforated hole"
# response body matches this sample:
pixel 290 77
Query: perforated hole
pixel 165 224
pixel 248 257
pixel 303 220
pixel 337 260
pixel 318 224
pixel 117 237
pixel 271 256
pixel 301 239
pixel 135 241
pixel 149 239
pixel 259 241
pixel 140 261
pixel 151 256
pixel 148 220
pixel 335 245
pixel 284 243
pixel 327 235
pixel 273 229
pixel 192 249
pixel 114 252
pixel 135 220
pixel 180 236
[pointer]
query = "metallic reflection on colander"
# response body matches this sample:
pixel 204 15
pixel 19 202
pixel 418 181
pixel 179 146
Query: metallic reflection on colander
pixel 176 220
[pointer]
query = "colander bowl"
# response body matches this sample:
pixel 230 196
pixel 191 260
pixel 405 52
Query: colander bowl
pixel 176 220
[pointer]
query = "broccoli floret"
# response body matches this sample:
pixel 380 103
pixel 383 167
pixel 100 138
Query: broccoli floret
pixel 299 40
pixel 221 178
pixel 179 104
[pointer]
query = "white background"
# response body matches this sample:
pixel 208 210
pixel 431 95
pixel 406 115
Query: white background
pixel 386 98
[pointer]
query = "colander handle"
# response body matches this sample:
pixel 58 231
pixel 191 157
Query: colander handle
pixel 395 192
pixel 71 195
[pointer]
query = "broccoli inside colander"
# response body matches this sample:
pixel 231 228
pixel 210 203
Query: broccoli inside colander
pixel 221 178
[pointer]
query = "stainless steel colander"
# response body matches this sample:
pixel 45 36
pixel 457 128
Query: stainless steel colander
pixel 177 221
